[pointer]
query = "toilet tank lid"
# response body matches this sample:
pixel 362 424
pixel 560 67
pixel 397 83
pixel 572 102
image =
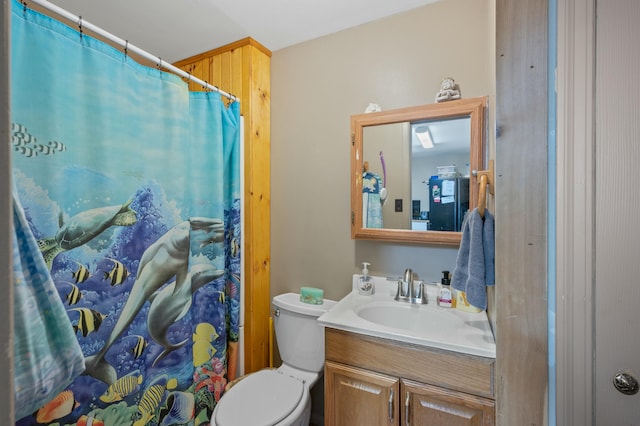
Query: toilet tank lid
pixel 291 302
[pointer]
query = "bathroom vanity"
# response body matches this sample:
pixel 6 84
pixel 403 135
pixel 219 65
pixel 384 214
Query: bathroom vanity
pixel 374 381
pixel 436 370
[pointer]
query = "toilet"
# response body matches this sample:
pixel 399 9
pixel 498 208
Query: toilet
pixel 281 397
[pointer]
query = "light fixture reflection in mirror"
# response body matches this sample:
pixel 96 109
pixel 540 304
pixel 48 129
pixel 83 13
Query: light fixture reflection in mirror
pixel 428 152
pixel 422 134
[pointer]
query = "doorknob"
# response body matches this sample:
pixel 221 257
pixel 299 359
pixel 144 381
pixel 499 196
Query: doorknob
pixel 625 383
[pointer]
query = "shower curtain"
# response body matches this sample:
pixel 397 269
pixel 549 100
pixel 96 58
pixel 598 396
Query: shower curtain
pixel 131 186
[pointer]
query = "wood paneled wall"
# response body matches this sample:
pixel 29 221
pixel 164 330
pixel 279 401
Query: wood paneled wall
pixel 521 212
pixel 243 68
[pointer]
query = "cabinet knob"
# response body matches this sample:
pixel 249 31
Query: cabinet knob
pixel 625 383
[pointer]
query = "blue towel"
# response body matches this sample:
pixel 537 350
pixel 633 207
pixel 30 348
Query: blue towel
pixel 475 264
pixel 371 202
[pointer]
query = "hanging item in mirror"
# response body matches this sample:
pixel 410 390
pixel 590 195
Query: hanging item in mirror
pixel 383 190
pixel 449 90
pixel 371 200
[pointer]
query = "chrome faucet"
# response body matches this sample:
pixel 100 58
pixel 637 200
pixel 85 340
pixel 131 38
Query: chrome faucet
pixel 408 278
pixel 411 294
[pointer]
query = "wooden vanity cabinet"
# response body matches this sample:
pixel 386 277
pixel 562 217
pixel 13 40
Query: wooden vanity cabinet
pixel 374 381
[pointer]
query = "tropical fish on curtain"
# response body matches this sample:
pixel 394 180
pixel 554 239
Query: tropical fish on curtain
pixel 130 184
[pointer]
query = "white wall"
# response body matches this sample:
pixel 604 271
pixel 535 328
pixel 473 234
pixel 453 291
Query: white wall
pixel 316 86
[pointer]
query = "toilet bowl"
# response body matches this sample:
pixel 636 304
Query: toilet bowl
pixel 281 397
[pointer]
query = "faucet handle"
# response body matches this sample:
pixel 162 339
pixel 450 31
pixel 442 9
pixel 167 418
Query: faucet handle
pixel 417 292
pixel 399 292
pixel 424 297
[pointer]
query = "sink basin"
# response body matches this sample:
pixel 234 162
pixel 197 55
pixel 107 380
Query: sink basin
pixel 379 315
pixel 405 316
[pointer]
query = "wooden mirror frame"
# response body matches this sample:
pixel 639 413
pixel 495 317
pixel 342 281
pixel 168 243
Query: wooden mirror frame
pixel 472 107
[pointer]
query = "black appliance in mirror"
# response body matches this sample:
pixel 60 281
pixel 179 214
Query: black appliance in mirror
pixel 448 203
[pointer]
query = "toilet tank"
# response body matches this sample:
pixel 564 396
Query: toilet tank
pixel 300 338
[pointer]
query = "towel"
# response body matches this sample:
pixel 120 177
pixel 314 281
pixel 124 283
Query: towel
pixel 371 201
pixel 475 264
pixel 47 355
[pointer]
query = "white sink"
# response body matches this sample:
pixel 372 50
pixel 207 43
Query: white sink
pixel 379 315
pixel 406 316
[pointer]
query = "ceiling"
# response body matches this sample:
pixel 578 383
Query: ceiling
pixel 174 30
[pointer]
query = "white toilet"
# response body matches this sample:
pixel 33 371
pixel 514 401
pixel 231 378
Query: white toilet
pixel 281 397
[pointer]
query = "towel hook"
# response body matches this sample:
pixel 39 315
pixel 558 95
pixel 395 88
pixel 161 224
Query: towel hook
pixel 485 179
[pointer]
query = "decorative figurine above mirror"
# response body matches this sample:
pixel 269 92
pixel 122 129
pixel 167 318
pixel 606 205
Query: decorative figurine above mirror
pixel 411 177
pixel 449 91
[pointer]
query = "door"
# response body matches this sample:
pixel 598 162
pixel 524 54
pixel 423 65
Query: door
pixel 617 200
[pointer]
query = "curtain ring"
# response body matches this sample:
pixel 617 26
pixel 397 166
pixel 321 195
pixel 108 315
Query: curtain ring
pixel 80 25
pixel 126 48
pixel 159 65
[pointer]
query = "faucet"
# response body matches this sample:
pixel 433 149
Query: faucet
pixel 408 278
pixel 410 295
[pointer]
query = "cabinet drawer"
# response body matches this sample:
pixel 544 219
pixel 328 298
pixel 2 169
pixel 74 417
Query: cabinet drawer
pixel 466 373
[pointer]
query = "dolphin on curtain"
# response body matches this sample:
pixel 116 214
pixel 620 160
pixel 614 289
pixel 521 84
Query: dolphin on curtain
pixel 162 260
pixel 173 302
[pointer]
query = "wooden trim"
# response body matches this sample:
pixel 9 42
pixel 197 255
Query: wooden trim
pixel 575 213
pixel 243 69
pixel 257 193
pixel 247 41
pixel 450 370
pixel 521 212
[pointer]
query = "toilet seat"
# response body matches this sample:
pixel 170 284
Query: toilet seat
pixel 262 398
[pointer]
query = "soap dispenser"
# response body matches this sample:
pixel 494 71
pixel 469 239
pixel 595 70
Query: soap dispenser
pixel 365 282
pixel 445 296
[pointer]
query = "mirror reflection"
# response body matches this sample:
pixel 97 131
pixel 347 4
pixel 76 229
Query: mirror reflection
pixel 414 168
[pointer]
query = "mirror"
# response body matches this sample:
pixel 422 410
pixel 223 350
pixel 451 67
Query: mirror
pixel 411 177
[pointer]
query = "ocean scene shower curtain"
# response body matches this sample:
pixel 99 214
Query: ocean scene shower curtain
pixel 130 185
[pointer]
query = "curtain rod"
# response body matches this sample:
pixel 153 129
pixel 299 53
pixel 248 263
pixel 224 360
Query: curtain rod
pixel 128 46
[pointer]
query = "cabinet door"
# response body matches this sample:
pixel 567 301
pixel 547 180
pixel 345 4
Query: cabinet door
pixel 355 397
pixel 430 405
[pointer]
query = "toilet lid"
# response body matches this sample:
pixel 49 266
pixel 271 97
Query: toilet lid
pixel 263 398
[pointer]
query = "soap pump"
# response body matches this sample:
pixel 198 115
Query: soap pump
pixel 445 296
pixel 365 283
